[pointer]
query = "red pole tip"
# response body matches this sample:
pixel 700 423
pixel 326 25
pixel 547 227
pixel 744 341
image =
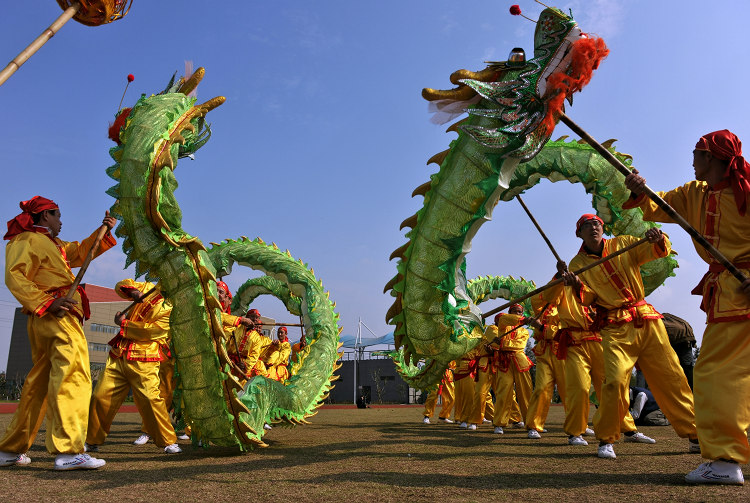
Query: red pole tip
pixel 515 10
pixel 131 77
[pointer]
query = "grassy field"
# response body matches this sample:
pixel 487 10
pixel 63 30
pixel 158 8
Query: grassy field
pixel 379 454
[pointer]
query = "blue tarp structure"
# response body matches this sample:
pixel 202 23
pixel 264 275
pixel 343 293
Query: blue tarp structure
pixel 350 340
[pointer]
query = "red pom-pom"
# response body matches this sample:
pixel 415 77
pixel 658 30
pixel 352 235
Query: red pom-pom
pixel 131 77
pixel 515 10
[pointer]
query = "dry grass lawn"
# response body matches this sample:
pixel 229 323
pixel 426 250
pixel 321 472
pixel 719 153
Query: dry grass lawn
pixel 379 454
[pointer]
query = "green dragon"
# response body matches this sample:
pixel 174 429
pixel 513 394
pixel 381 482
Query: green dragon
pixel 158 130
pixel 500 152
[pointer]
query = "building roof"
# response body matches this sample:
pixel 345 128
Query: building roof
pixel 98 293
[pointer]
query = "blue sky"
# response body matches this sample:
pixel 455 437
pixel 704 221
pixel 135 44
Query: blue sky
pixel 324 134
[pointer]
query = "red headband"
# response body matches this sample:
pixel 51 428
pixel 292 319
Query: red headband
pixel 253 313
pixel 24 221
pixel 725 145
pixel 223 286
pixel 587 216
pixel 283 328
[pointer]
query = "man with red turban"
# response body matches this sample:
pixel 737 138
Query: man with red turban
pixel 38 274
pixel 631 331
pixel 715 203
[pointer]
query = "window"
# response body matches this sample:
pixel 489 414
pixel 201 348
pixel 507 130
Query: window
pixel 98 347
pixel 107 329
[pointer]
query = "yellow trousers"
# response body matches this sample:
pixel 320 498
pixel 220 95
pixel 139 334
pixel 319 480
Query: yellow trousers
pixel 624 344
pixel 464 390
pixel 167 384
pixel 448 401
pixel 504 401
pixel 60 382
pixel 584 366
pixel 502 385
pixel 722 382
pixel 515 411
pixel 118 377
pixel 549 371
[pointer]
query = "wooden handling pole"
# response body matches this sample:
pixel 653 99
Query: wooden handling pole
pixel 89 257
pixel 560 280
pixel 539 228
pixel 697 236
pixel 38 42
pixel 136 302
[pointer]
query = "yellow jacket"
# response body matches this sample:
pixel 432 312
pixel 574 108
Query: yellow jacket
pixel 617 285
pixel 37 269
pixel 144 334
pixel 575 319
pixel 277 354
pixel 714 213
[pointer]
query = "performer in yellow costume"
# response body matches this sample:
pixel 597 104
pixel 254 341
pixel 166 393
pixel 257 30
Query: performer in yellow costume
pixel 502 365
pixel 632 331
pixel 464 378
pixel 297 348
pixel 549 370
pixel 579 348
pixel 716 204
pixel 37 273
pixel 276 356
pixel 446 389
pixel 133 363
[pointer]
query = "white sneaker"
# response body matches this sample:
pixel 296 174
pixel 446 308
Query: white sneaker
pixel 639 438
pixel 486 421
pixel 426 420
pixel 498 430
pixel 578 440
pixel 184 436
pixel 519 424
pixel 267 427
pixel 716 472
pixel 588 433
pixel 606 451
pixel 472 427
pixel 463 425
pixel 445 420
pixel 77 462
pixel 172 449
pixel 694 447
pixel 534 434
pixel 90 447
pixel 11 458
pixel 142 440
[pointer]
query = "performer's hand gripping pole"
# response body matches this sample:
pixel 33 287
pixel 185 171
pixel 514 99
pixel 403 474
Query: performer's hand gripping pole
pixel 560 280
pixel 136 302
pixel 697 236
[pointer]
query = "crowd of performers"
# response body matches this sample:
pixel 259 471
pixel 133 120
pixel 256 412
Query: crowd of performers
pixel 38 273
pixel 594 328
pixel 591 330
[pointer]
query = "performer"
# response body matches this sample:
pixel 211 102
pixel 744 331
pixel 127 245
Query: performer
pixel 276 356
pixel 167 383
pixel 37 273
pixel 549 370
pixel 632 331
pixel 579 347
pixel 446 389
pixel 298 348
pixel 502 365
pixel 133 362
pixel 464 377
pixel 240 334
pixel 716 204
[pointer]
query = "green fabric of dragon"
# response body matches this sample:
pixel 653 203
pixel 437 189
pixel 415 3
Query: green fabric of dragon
pixel 158 130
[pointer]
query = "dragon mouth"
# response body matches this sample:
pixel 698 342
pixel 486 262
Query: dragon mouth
pixel 561 59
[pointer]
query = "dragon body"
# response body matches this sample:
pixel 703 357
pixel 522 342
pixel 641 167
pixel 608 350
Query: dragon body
pixel 500 152
pixel 158 130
